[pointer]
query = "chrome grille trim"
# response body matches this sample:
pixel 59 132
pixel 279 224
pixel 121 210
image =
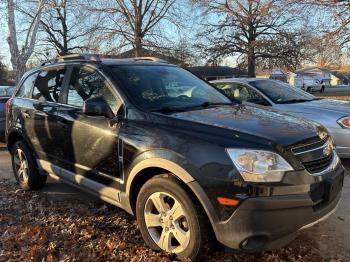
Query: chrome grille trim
pixel 331 167
pixel 313 149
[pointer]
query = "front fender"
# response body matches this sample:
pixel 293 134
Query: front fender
pixel 165 159
pixel 179 167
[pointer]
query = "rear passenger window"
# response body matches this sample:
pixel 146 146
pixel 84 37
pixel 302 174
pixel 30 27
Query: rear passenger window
pixel 48 85
pixel 86 83
pixel 26 87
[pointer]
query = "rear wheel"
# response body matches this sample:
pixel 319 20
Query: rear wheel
pixel 24 167
pixel 308 89
pixel 168 218
pixel 322 89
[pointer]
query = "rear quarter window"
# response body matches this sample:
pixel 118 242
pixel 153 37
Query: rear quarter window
pixel 48 84
pixel 26 87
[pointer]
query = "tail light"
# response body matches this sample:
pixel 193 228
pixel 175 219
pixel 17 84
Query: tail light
pixel 7 106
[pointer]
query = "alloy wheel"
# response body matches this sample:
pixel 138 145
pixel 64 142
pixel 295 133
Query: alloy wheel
pixel 21 166
pixel 167 222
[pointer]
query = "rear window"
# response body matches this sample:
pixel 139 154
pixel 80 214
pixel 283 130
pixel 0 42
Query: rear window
pixel 26 87
pixel 48 85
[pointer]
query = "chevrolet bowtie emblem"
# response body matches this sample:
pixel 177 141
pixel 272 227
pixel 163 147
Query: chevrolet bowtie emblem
pixel 327 150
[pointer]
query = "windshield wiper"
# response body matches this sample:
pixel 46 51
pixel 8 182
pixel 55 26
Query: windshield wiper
pixel 169 109
pixel 294 101
pixel 208 104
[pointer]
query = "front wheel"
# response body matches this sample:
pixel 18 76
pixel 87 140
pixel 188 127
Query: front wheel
pixel 322 89
pixel 24 167
pixel 168 218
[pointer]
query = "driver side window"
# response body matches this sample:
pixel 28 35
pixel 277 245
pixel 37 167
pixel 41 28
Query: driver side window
pixel 86 83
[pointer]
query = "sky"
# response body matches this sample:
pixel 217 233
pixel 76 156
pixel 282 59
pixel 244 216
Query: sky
pixel 191 22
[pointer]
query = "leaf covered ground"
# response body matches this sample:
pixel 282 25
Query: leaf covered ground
pixel 35 228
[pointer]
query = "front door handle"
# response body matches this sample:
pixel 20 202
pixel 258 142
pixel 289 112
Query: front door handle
pixel 63 123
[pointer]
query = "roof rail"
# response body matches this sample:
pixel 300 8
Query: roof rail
pixel 96 58
pixel 74 57
pixel 151 58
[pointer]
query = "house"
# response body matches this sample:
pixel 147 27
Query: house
pixel 276 74
pixel 339 78
pixel 311 73
pixel 210 73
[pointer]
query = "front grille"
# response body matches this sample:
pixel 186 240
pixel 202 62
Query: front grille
pixel 310 146
pixel 318 165
pixel 316 156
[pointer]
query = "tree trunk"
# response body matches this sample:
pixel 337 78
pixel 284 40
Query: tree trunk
pixel 138 46
pixel 251 61
pixel 20 70
pixel 19 57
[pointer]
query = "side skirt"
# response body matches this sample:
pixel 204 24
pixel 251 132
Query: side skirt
pixel 108 194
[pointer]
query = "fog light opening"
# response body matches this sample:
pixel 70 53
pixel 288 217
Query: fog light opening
pixel 254 243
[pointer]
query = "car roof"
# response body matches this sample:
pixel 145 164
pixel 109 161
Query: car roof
pixel 97 60
pixel 246 80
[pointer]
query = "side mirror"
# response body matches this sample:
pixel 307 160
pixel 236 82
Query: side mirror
pixel 97 106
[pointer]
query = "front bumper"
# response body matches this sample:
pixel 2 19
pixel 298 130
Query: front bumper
pixel 341 137
pixel 265 223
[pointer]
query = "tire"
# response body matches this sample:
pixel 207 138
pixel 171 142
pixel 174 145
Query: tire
pixel 186 233
pixel 24 167
pixel 322 89
pixel 308 89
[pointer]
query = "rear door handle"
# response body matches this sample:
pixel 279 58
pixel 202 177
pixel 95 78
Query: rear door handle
pixel 63 123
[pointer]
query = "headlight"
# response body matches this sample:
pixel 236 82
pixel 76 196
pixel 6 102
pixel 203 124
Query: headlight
pixel 344 122
pixel 259 165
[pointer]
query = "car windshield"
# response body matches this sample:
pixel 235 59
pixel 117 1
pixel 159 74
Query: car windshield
pixel 165 88
pixel 6 90
pixel 281 93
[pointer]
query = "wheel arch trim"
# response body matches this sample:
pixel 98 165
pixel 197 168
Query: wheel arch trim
pixel 180 173
pixel 168 165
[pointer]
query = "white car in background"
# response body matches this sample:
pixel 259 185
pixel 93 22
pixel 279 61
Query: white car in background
pixel 310 84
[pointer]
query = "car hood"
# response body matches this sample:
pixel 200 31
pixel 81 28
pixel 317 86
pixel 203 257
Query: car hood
pixel 324 111
pixel 328 105
pixel 280 128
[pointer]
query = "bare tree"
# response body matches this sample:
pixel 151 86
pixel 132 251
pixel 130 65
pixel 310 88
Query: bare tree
pixel 64 26
pixel 136 21
pixel 247 28
pixel 338 12
pixel 21 55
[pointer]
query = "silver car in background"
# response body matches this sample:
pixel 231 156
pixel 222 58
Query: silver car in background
pixel 333 114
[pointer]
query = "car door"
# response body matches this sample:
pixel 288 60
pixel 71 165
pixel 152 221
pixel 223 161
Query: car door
pixel 90 143
pixel 40 114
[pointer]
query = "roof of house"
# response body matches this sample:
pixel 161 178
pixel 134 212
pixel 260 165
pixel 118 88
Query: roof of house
pixel 216 71
pixel 341 75
pixel 312 69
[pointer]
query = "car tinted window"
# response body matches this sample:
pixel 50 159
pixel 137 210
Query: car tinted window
pixel 280 92
pixel 86 83
pixel 158 87
pixel 26 87
pixel 48 85
pixel 241 92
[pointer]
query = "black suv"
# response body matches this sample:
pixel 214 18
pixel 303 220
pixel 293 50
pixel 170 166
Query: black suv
pixel 162 144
